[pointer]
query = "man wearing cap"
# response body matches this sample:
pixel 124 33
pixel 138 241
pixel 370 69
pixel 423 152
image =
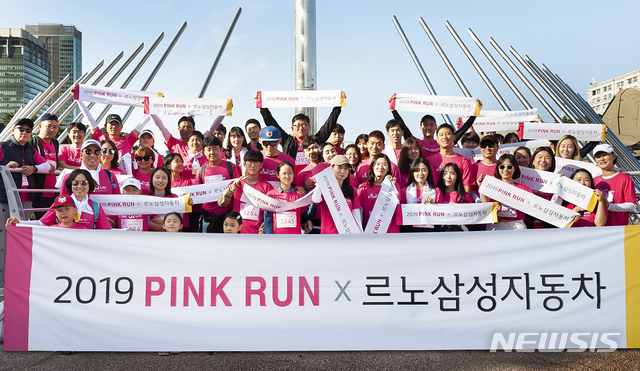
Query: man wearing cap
pixel 270 139
pixel 106 182
pixel 489 149
pixel 292 144
pixel 18 152
pixel 617 187
pixel 47 146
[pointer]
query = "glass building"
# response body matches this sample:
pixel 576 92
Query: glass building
pixel 65 49
pixel 25 69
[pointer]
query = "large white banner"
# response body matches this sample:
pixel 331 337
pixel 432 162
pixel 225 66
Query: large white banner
pixel 187 106
pixel 203 292
pixel 145 205
pixel 449 214
pixel 260 200
pixel 583 132
pixel 96 94
pixel 461 106
pixel 300 98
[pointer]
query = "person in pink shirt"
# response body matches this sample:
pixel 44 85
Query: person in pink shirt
pixel 523 156
pixel 105 181
pixel 446 139
pixel 508 170
pixel 361 142
pixel 419 189
pixel 543 159
pixel 375 146
pixel 253 129
pixel 113 125
pixel 236 146
pixel 340 167
pixel 147 140
pixel 369 191
pixel 395 133
pixel 352 153
pixel 618 188
pixel 69 155
pixel 336 138
pixel 173 162
pixel 450 184
pixel 311 148
pixel 251 215
pixel 214 171
pixel 285 222
pixel 65 210
pixel 145 158
pixel 132 222
pixel 270 138
pixel 598 217
pixel 78 186
pixel 109 157
pixel 160 186
pixel 410 151
pixel 489 148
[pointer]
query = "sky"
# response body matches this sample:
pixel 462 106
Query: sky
pixel 359 50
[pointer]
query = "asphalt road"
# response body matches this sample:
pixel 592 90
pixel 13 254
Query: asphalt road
pixel 375 360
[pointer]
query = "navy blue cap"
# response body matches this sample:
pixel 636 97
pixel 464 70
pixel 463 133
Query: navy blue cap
pixel 270 133
pixel 49 116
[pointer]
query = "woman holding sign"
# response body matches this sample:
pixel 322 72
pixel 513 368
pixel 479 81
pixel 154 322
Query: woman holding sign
pixel 371 193
pixel 284 222
pixel 508 218
pixel 587 218
pixel 420 189
pixel 340 167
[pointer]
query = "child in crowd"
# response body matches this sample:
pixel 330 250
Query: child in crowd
pixel 284 222
pixel 232 222
pixel 65 210
pixel 172 222
pixel 132 222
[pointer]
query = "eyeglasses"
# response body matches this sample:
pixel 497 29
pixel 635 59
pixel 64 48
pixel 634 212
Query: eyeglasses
pixel 23 129
pixel 298 126
pixel 145 158
pixel 270 143
pixel 508 167
pixel 487 145
pixel 189 127
pixel 89 152
pixel 79 183
pixel 109 151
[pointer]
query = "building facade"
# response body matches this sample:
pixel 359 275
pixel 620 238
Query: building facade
pixel 65 49
pixel 25 68
pixel 600 94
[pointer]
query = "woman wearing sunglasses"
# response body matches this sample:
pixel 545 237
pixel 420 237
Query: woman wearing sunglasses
pixel 507 170
pixel 79 184
pixel 145 158
pixel 109 157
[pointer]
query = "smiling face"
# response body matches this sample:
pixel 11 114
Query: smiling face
pixel 445 138
pixel 542 161
pixel 605 161
pixel 286 175
pixel 375 146
pixel 146 140
pixel 352 156
pixel 413 152
pixel 380 168
pixel 328 152
pixel 300 129
pixel 449 176
pixel 107 155
pixel 420 173
pixel 489 149
pixel 313 153
pixel 566 149
pixel 270 147
pixel 160 181
pixel 77 136
pixel 395 134
pixel 113 129
pixel 362 146
pixel 220 135
pixel 523 158
pixel 506 170
pixel 65 214
pixel 185 128
pixel 80 187
pixel 22 134
pixel 212 153
pixel 144 162
pixel 176 165
pixel 428 128
pixel 91 157
pixel 582 178
pixel 253 131
pixel 195 144
pixel 172 223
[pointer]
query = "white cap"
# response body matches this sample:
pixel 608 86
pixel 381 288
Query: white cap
pixel 131 182
pixel 603 148
pixel 147 131
pixel 90 142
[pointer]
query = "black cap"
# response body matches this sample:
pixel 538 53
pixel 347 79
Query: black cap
pixel 25 122
pixel 113 117
pixel 488 138
pixel 49 116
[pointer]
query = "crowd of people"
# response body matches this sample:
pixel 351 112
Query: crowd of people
pixel 281 164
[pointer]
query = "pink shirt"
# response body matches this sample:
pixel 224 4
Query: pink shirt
pixel 419 192
pixel 438 161
pixel 618 189
pixel 328 226
pixel 135 222
pixel 50 156
pixel 429 148
pixel 367 196
pixel 73 226
pixel 452 198
pixel 214 175
pixel 145 182
pixel 363 169
pixel 480 168
pixel 70 155
pixel 303 175
pixel 588 219
pixel 269 171
pixel 124 143
pixel 104 188
pixel 251 216
pixel 286 222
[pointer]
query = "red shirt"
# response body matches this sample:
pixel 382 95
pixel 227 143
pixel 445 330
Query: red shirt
pixel 438 161
pixel 251 216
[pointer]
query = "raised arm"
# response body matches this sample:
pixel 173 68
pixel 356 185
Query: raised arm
pixel 325 131
pixel 468 123
pixel 214 125
pixel 163 129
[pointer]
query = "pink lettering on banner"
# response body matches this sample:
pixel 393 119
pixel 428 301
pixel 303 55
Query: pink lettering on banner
pixel 314 294
pixel 174 288
pixel 197 295
pixel 305 289
pixel 219 290
pixel 276 299
pixel 259 291
pixel 149 292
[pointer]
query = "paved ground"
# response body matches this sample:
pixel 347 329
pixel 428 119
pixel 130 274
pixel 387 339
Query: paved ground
pixel 425 360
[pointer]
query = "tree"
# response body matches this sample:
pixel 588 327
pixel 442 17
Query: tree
pixel 5 120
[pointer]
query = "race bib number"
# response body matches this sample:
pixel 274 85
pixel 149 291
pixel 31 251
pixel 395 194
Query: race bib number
pixel 507 212
pixel 249 212
pixel 213 179
pixel 131 224
pixel 301 159
pixel 287 219
pixel 25 181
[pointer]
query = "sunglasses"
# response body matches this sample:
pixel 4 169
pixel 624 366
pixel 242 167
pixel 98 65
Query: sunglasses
pixel 109 151
pixel 23 129
pixel 508 167
pixel 145 158
pixel 79 183
pixel 89 152
pixel 270 143
pixel 487 145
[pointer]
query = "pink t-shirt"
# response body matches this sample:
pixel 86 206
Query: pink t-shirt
pixel 182 182
pixel 588 219
pixel 480 168
pixel 367 196
pixel 214 175
pixel 269 171
pixel 363 169
pixel 301 160
pixel 50 156
pixel 177 146
pixel 134 222
pixel 438 161
pixel 303 175
pixel 452 198
pixel 70 155
pixel 145 182
pixel 251 216
pixel 86 219
pixel 328 226
pixel 124 143
pixel 286 222
pixel 618 189
pixel 428 147
pixel 104 188
pixel 73 226
pixel 192 163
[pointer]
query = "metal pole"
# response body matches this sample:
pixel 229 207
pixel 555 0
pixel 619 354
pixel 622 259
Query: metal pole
pixel 524 80
pixel 575 98
pixel 544 87
pixel 38 102
pixel 445 59
pixel 423 74
pixel 500 71
pixel 55 106
pixel 158 65
pixel 305 53
pixel 475 64
pixel 219 55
